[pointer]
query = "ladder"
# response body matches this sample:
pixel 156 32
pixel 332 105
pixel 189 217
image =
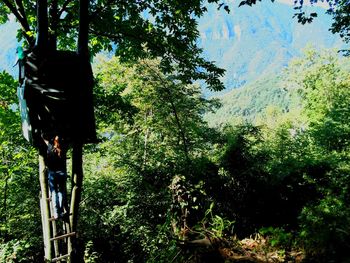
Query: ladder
pixel 57 233
pixel 60 236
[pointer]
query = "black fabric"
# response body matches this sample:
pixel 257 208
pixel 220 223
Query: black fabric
pixel 58 93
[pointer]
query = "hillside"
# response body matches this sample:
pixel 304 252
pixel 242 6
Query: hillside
pixel 250 101
pixel 253 41
pixel 255 100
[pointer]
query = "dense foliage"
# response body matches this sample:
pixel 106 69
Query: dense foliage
pixel 162 183
pixel 20 227
pixel 162 186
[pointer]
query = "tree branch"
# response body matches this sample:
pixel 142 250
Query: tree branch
pixel 54 18
pixel 64 8
pixel 20 8
pixel 83 36
pixel 174 110
pixel 21 18
pixel 100 9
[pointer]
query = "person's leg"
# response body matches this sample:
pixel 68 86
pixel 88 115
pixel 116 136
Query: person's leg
pixel 61 182
pixel 53 191
pixel 64 194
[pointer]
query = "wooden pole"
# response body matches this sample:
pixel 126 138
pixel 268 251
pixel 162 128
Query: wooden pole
pixel 42 26
pixel 77 183
pixel 77 156
pixel 44 206
pixel 83 37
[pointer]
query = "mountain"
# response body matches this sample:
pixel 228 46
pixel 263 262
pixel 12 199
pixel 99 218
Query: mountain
pixel 250 102
pixel 250 42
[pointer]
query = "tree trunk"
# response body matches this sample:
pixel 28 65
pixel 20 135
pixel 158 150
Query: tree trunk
pixel 43 28
pixel 4 208
pixel 54 19
pixel 77 183
pixel 77 158
pixel 83 37
pixel 44 206
pixel 145 142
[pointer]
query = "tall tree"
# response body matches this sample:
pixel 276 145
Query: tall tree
pixel 322 79
pixel 166 29
pixel 156 137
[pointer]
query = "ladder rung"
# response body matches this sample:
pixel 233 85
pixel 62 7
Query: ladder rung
pixel 59 258
pixel 63 236
pixel 55 219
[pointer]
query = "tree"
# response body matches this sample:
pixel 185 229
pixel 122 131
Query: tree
pixel 19 211
pixel 341 17
pixel 165 29
pixel 322 79
pixel 153 133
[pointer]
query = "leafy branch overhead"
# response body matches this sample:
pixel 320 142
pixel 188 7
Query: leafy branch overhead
pixel 132 29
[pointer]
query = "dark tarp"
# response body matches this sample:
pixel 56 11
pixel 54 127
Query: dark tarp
pixel 56 97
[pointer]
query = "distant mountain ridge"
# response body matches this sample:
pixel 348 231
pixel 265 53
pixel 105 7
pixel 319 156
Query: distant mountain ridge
pixel 260 40
pixel 248 42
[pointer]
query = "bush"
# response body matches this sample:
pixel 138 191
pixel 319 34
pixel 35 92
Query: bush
pixel 21 251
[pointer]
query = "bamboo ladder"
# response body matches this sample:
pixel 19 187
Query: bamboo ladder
pixel 56 232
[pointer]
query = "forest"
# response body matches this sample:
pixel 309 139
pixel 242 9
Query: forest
pixel 162 185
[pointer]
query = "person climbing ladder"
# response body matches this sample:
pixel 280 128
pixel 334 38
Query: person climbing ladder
pixel 57 175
